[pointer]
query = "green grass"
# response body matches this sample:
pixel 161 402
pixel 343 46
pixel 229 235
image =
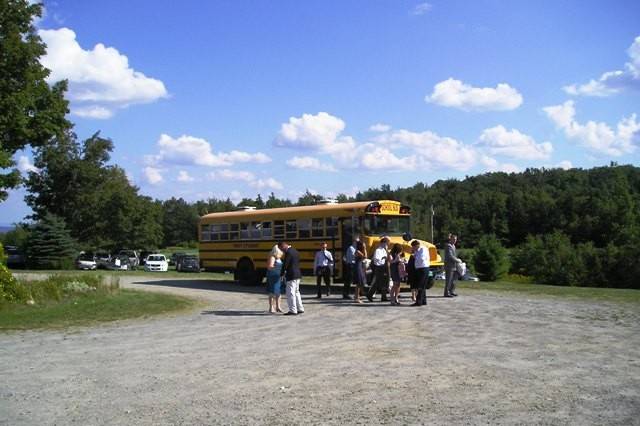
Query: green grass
pixel 172 273
pixel 513 285
pixel 88 309
pixel 557 292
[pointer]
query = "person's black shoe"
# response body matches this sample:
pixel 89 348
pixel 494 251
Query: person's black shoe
pixel 454 294
pixel 369 298
pixel 448 295
pixel 290 313
pixel 319 296
pixel 300 312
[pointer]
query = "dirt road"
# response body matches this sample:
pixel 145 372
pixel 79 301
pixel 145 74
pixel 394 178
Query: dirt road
pixel 477 359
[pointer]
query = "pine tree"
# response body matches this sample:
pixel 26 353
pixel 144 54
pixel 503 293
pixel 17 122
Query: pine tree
pixel 490 259
pixel 50 245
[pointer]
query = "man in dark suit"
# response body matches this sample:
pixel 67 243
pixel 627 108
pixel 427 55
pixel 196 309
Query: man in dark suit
pixel 292 275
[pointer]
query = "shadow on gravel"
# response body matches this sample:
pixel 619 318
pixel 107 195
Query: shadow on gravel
pixel 231 286
pixel 237 313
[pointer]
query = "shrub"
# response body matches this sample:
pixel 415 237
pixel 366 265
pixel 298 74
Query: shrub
pixel 491 260
pixel 11 290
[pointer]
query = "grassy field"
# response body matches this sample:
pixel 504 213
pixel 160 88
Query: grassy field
pixel 515 285
pixel 559 292
pixel 65 300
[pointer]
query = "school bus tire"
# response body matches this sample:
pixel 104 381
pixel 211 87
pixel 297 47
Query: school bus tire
pixel 245 272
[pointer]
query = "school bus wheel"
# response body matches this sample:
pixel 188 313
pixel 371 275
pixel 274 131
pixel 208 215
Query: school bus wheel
pixel 245 272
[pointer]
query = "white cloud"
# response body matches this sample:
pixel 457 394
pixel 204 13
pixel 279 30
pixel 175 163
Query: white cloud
pixel 456 94
pixel 191 150
pixel 565 165
pixel 25 165
pixel 596 136
pixel 310 163
pixel 152 175
pixel 493 165
pixel 94 111
pixel 380 128
pixel 269 183
pixel 244 157
pixel 235 196
pixel 421 9
pixel 183 176
pixel 246 177
pixel 431 151
pixel 317 133
pixel 511 143
pixel 227 174
pixel 612 82
pixel 100 80
pixel 379 158
pixel 321 134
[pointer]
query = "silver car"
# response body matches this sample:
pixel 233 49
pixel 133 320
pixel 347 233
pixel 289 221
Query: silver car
pixel 86 261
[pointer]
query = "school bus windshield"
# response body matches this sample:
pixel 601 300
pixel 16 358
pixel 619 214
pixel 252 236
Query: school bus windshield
pixel 386 225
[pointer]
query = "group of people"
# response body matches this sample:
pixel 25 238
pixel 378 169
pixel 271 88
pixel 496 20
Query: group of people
pixel 389 265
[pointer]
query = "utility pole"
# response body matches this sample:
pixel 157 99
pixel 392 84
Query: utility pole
pixel 432 214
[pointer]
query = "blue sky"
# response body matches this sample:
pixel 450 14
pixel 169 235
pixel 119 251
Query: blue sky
pixel 235 98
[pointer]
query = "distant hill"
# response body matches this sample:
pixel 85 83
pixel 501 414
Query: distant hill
pixel 5 228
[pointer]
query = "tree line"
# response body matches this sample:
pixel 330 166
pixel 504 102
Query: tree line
pixel 565 227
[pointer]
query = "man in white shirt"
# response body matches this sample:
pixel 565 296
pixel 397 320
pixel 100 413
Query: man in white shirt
pixel 380 262
pixel 322 266
pixel 421 256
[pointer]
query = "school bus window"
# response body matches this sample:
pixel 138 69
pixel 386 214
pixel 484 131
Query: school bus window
pixel 205 234
pixel 224 232
pixel 233 231
pixel 266 230
pixel 317 227
pixel 278 229
pixel 332 226
pixel 304 228
pixel 244 231
pixel 256 230
pixel 291 229
pixel 215 232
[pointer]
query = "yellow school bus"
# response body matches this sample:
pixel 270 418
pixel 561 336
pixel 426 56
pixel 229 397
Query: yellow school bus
pixel 240 241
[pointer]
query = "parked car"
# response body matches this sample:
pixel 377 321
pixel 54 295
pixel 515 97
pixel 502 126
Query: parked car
pixel 188 264
pixel 143 256
pixel 134 260
pixel 103 258
pixel 86 261
pixel 173 260
pixel 15 257
pixel 468 277
pixel 156 263
pixel 119 263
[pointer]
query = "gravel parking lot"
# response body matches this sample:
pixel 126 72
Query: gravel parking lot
pixel 476 359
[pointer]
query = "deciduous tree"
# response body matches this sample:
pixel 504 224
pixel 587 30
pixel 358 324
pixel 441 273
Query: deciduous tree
pixel 31 111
